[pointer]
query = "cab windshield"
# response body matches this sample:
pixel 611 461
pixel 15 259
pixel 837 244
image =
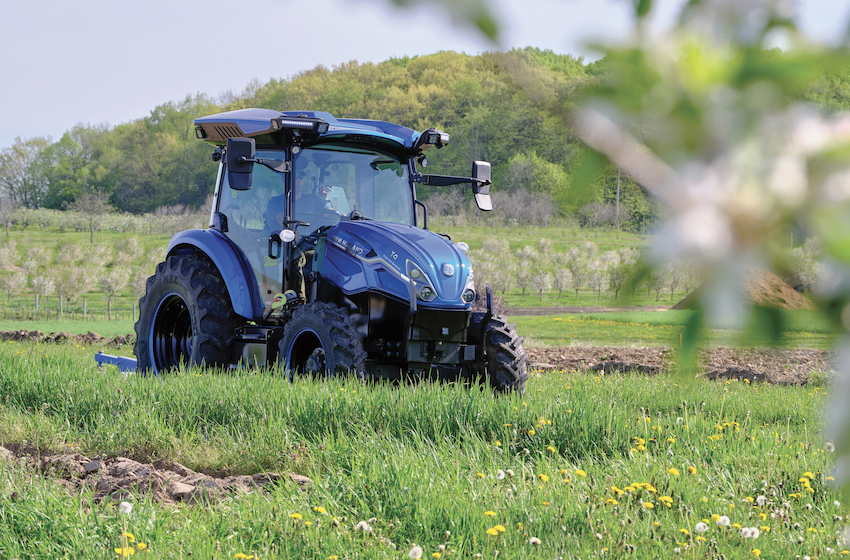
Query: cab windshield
pixel 348 179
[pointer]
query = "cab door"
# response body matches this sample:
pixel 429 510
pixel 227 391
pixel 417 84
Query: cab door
pixel 251 219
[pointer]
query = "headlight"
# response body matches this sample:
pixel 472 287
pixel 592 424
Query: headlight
pixel 425 293
pixel 469 296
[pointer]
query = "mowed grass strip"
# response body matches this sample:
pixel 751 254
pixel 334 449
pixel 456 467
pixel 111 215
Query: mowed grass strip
pixel 800 329
pixel 580 463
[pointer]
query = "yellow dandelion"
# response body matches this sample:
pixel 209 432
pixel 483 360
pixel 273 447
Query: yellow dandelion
pixel 500 528
pixel 320 509
pixel 490 513
pixel 673 471
pixel 436 555
pixel 531 432
pixel 543 477
pixel 756 552
pixel 296 516
pixel 129 551
pixel 648 505
pixel 492 531
pixel 141 546
pixel 580 472
pixel 129 537
pixel 808 474
pixel 479 475
pixel 692 470
pixel 551 449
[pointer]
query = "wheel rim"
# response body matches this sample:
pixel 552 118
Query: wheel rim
pixel 306 355
pixel 171 333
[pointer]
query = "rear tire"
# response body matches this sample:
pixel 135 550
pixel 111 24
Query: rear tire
pixel 185 317
pixel 322 340
pixel 504 357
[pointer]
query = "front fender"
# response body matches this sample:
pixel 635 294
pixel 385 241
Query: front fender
pixel 237 275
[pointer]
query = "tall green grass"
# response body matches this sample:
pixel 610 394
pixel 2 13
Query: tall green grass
pixel 425 462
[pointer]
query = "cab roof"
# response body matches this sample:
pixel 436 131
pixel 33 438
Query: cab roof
pixel 247 123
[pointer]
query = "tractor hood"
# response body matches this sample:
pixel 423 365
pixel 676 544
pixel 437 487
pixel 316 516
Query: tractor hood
pixel 388 256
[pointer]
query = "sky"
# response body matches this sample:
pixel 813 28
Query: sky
pixel 107 62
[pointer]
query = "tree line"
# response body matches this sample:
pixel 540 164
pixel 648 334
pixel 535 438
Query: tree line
pixel 504 107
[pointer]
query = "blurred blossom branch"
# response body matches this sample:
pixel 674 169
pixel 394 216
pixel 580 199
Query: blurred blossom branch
pixel 708 119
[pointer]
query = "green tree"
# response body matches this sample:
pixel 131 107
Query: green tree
pixel 21 175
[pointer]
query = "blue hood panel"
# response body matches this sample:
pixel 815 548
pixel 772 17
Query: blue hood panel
pixel 371 255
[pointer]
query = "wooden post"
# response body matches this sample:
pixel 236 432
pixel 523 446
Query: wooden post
pixel 84 308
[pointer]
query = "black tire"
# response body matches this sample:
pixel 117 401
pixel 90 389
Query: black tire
pixel 185 317
pixel 504 357
pixel 321 339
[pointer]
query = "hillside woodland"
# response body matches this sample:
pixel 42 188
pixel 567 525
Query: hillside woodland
pixel 510 108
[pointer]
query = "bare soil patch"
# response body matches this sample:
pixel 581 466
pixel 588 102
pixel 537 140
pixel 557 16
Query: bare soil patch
pixel 761 287
pixel 120 478
pixel 87 339
pixel 781 366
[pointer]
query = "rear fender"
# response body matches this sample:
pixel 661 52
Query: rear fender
pixel 237 275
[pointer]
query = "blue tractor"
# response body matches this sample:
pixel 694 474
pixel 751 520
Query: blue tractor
pixel 318 257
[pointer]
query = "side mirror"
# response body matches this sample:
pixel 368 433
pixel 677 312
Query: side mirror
pixel 481 185
pixel 240 162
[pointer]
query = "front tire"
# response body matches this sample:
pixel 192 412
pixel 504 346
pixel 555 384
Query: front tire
pixel 504 356
pixel 185 317
pixel 321 339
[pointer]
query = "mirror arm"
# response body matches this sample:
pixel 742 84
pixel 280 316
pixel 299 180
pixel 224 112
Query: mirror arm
pixel 445 180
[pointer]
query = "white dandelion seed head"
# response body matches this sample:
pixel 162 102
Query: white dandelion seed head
pixel 701 527
pixel 441 548
pixel 724 521
pixel 677 550
pixel 830 447
pixel 448 534
pixel 534 541
pixel 125 507
pixel 510 473
pixel 830 550
pixel 415 552
pixel 599 536
pixel 809 507
pixel 837 503
pixel 746 533
pixel 755 532
pixel 500 474
pixel 679 421
pixel 760 500
pixel 801 540
pixel 363 526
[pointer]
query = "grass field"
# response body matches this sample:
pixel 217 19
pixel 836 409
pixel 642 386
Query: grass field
pixel 801 329
pixel 587 466
pixel 581 466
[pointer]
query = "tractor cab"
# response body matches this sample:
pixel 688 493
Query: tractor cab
pixel 325 184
